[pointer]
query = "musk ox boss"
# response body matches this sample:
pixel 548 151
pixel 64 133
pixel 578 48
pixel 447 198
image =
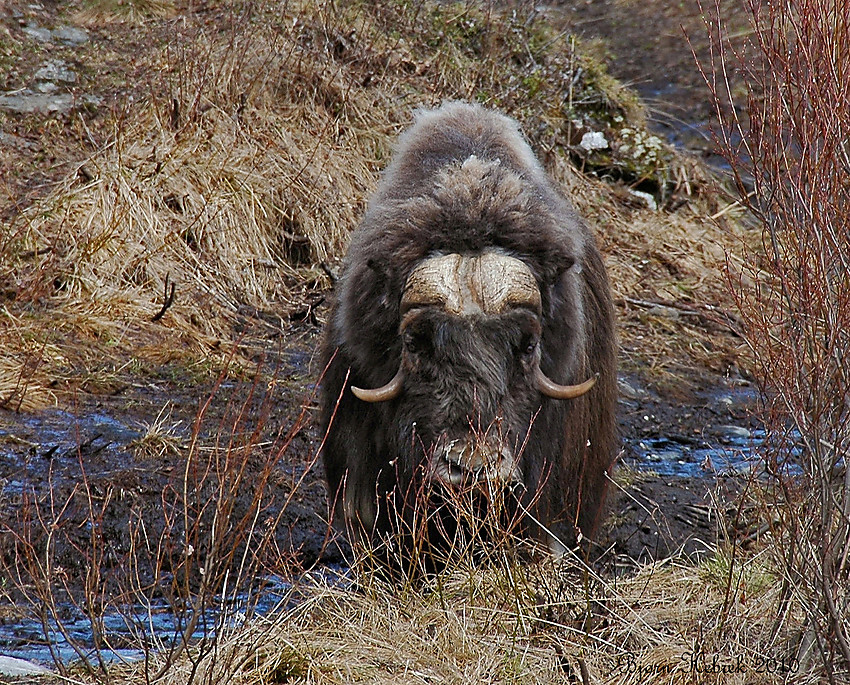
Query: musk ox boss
pixel 472 339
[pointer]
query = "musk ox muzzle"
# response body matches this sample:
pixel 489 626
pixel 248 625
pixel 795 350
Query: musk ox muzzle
pixel 474 461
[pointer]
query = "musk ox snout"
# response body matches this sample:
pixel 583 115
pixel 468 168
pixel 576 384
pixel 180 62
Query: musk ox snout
pixel 472 461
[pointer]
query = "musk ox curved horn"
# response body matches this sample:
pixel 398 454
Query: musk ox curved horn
pixel 561 392
pixel 386 392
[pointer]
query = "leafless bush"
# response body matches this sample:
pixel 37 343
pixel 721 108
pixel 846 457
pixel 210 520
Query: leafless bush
pixel 433 527
pixel 787 145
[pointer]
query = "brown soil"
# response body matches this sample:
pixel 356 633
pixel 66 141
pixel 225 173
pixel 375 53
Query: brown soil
pixel 94 449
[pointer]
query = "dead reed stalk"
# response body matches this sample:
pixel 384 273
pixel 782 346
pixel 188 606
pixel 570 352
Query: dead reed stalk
pixel 191 558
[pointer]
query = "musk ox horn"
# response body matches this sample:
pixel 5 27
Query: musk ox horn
pixel 490 283
pixel 386 392
pixel 561 392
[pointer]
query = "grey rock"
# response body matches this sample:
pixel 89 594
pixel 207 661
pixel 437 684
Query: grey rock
pixel 594 140
pixel 56 70
pixel 71 35
pixel 646 198
pixel 10 666
pixel 11 140
pixel 629 390
pixel 27 102
pixel 41 34
pixel 734 432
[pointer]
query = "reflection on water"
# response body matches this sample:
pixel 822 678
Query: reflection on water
pixel 732 451
pixel 735 452
pixel 55 442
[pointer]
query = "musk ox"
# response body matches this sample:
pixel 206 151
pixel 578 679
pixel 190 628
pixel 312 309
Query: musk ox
pixel 472 339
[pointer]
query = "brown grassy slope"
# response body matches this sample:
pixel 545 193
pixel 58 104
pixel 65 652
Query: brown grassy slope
pixel 243 159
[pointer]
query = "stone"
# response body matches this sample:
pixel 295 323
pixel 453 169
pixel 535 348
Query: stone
pixel 27 102
pixel 645 198
pixel 71 35
pixel 10 666
pixel 56 70
pixel 630 391
pixel 42 35
pixel 11 140
pixel 738 432
pixel 594 140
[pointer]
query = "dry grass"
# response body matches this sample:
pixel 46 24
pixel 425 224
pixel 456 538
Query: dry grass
pixel 239 169
pixel 520 623
pixel 161 437
pixel 246 158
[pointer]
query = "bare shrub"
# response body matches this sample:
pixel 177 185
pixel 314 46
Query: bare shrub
pixel 787 143
pixel 435 527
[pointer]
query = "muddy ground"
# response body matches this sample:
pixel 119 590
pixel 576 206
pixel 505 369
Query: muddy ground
pixel 116 461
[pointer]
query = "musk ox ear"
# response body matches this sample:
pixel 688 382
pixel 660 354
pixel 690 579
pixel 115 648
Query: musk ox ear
pixel 555 285
pixel 379 269
pixel 555 272
pixel 381 282
pixel 566 264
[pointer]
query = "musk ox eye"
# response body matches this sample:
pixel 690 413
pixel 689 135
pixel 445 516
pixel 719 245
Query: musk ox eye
pixel 528 344
pixel 417 341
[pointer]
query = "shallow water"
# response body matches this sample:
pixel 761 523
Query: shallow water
pixel 734 450
pixel 127 629
pixel 57 443
pixel 54 441
pixel 46 455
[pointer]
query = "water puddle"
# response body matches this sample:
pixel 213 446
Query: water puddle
pixel 54 441
pixel 733 450
pixel 125 630
pixel 39 452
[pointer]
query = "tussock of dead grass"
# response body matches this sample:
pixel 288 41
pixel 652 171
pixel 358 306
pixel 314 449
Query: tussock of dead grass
pixel 125 10
pixel 674 310
pixel 540 622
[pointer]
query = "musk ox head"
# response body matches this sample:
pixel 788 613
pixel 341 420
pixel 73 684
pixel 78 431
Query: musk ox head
pixel 471 343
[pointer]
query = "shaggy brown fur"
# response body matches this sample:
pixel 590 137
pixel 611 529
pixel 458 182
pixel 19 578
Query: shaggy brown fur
pixel 464 181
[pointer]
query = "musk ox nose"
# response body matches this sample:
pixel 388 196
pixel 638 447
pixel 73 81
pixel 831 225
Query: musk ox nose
pixel 465 462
